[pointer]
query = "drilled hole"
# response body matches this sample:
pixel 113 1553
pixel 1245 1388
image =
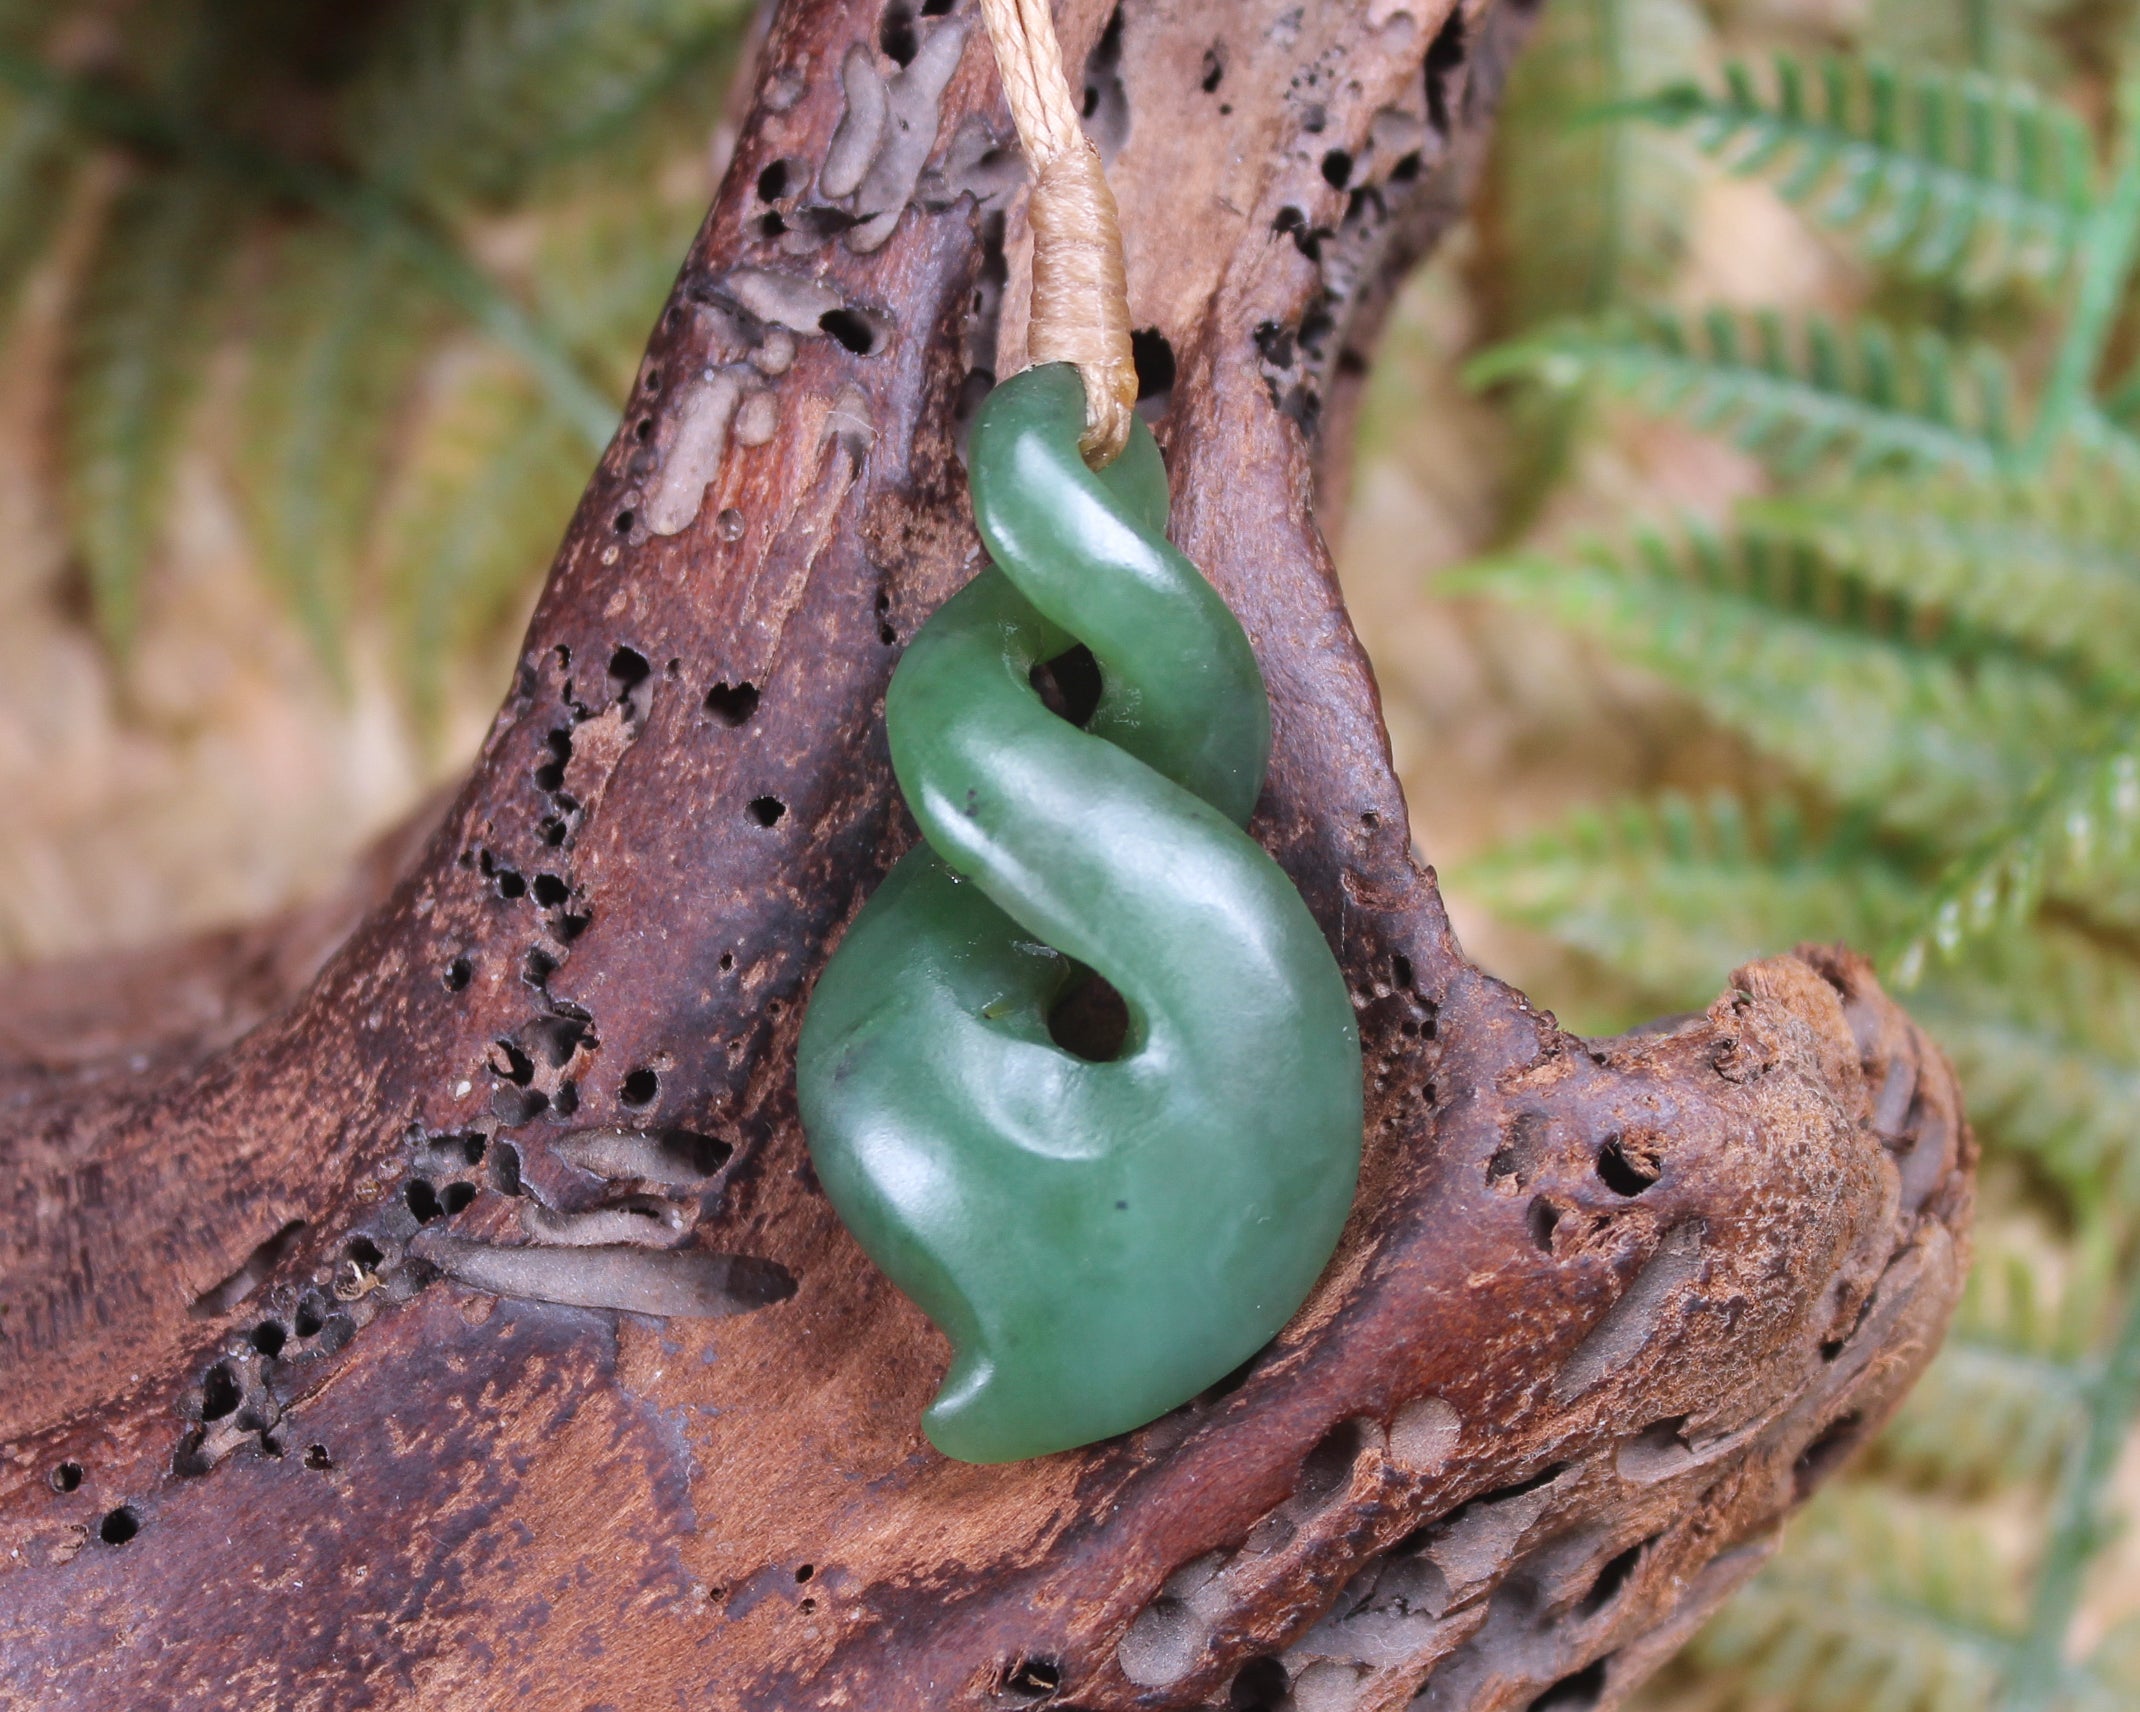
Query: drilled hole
pixel 423 1200
pixel 1625 1172
pixel 458 974
pixel 766 811
pixel 219 1393
pixel 1337 169
pixel 1611 1579
pixel 773 182
pixel 514 1065
pixel 732 704
pixel 1544 1477
pixel 1542 1217
pixel 1827 1453
pixel 1069 685
pixel 510 884
pixel 623 521
pixel 557 1038
pixel 639 1088
pixel 1261 1686
pixel 1153 355
pixel 269 1337
pixel 1090 1021
pixel 1214 71
pixel 316 1457
pixel 851 328
pixel 550 890
pixel 896 35
pixel 119 1526
pixel 701 1154
pixel 67 1477
pixel 805 1572
pixel 627 671
pixel 1575 1693
pixel 458 1198
pixel 1033 1678
pixel 1445 55
pixel 1326 1469
pixel 310 1316
pixel 214 1303
pixel 364 1252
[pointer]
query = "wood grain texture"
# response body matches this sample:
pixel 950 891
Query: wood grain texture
pixel 1605 1312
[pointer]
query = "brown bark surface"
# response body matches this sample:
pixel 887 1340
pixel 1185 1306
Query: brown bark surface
pixel 366 1334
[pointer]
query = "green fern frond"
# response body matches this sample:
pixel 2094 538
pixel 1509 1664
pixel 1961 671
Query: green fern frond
pixel 1669 895
pixel 1858 393
pixel 339 335
pixel 2045 1030
pixel 1877 1600
pixel 1950 174
pixel 2052 563
pixel 1931 730
pixel 2085 814
pixel 38 155
pixel 140 335
pixel 495 480
pixel 2006 1399
pixel 1583 215
pixel 474 95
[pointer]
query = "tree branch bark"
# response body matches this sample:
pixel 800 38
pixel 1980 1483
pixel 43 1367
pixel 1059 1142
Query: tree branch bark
pixel 1606 1309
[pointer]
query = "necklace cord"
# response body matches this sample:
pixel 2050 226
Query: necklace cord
pixel 1080 310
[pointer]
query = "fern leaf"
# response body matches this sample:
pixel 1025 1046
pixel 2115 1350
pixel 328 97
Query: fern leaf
pixel 139 340
pixel 38 153
pixel 1937 733
pixel 2045 1029
pixel 1950 174
pixel 473 95
pixel 338 338
pixel 1876 1600
pixel 1583 215
pixel 2007 1397
pixel 1856 393
pixel 2053 564
pixel 1668 895
pixel 494 483
pixel 2086 813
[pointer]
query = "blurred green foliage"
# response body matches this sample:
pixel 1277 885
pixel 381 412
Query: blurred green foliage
pixel 318 192
pixel 1927 627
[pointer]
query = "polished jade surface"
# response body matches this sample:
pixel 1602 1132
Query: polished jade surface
pixel 1099 1240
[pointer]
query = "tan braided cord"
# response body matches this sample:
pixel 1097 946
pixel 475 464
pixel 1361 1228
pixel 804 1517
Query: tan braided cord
pixel 1080 311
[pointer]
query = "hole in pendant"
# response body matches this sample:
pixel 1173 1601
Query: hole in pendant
pixel 1069 685
pixel 1090 1021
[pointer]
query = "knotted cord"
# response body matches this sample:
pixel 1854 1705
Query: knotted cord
pixel 1080 312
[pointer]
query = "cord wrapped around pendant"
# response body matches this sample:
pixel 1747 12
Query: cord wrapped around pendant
pixel 1100 1233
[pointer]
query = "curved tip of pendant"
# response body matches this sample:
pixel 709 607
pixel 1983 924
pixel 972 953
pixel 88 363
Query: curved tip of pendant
pixel 966 1421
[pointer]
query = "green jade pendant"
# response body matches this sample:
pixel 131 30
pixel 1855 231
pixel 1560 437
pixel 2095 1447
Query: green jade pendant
pixel 1099 1241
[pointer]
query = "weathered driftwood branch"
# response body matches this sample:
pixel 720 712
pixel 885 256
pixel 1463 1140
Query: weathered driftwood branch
pixel 1606 1309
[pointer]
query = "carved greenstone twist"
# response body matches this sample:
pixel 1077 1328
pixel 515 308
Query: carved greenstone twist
pixel 1099 1240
